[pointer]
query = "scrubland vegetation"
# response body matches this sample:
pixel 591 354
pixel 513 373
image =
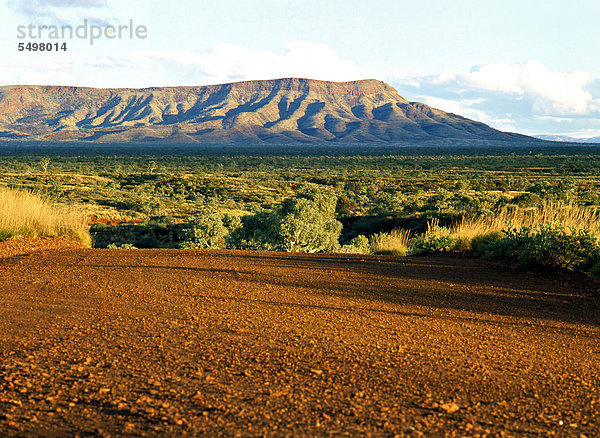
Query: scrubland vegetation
pixel 550 235
pixel 536 210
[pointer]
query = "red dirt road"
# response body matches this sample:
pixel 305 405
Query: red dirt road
pixel 217 343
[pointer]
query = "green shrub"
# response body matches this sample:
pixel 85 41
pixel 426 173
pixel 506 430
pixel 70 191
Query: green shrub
pixel 435 239
pixel 149 235
pixel 303 223
pixel 121 246
pixel 427 243
pixel 481 242
pixel 345 205
pixel 527 200
pixel 6 234
pixel 358 245
pixel 307 222
pixel 595 270
pixel 545 246
pixel 210 229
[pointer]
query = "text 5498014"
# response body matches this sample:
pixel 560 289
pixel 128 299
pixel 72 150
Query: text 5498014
pixel 42 47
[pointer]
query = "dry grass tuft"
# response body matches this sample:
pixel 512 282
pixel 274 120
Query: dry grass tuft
pixel 396 242
pixel 25 214
pixel 568 215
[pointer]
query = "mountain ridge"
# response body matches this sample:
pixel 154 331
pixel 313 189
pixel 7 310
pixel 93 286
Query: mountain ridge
pixel 270 111
pixel 567 139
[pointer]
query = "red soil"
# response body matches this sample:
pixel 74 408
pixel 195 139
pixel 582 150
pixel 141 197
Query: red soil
pixel 224 343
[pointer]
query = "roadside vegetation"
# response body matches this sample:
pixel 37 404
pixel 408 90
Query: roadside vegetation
pixel 25 214
pixel 534 210
pixel 549 236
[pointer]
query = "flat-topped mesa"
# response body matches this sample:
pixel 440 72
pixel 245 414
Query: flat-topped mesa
pixel 350 88
pixel 276 111
pixel 354 88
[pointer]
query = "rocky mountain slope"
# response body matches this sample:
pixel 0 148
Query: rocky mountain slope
pixel 275 111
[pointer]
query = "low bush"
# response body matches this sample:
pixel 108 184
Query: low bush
pixel 595 270
pixel 358 245
pixel 547 246
pixel 149 235
pixel 436 238
pixel 307 221
pixel 121 246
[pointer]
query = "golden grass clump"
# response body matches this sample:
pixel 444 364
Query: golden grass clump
pixel 396 242
pixel 568 215
pixel 25 214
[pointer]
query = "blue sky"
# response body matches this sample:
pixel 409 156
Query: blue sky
pixel 528 66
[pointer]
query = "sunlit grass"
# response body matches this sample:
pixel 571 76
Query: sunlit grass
pixel 25 214
pixel 464 234
pixel 396 242
pixel 570 216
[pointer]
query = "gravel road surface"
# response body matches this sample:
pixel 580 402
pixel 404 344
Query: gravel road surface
pixel 234 343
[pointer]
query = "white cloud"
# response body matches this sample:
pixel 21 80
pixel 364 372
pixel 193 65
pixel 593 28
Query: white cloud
pixel 555 119
pixel 45 68
pixel 550 92
pixel 465 108
pixel 524 97
pixel 221 64
pixel 231 62
pixel 586 133
pixel 62 10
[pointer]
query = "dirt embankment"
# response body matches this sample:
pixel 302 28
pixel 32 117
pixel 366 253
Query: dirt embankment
pixel 173 342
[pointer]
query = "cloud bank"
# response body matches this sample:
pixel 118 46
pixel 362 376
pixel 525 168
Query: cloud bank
pixel 232 62
pixel 219 64
pixel 525 97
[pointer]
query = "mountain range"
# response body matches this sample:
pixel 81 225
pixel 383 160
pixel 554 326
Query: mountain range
pixel 567 139
pixel 271 111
